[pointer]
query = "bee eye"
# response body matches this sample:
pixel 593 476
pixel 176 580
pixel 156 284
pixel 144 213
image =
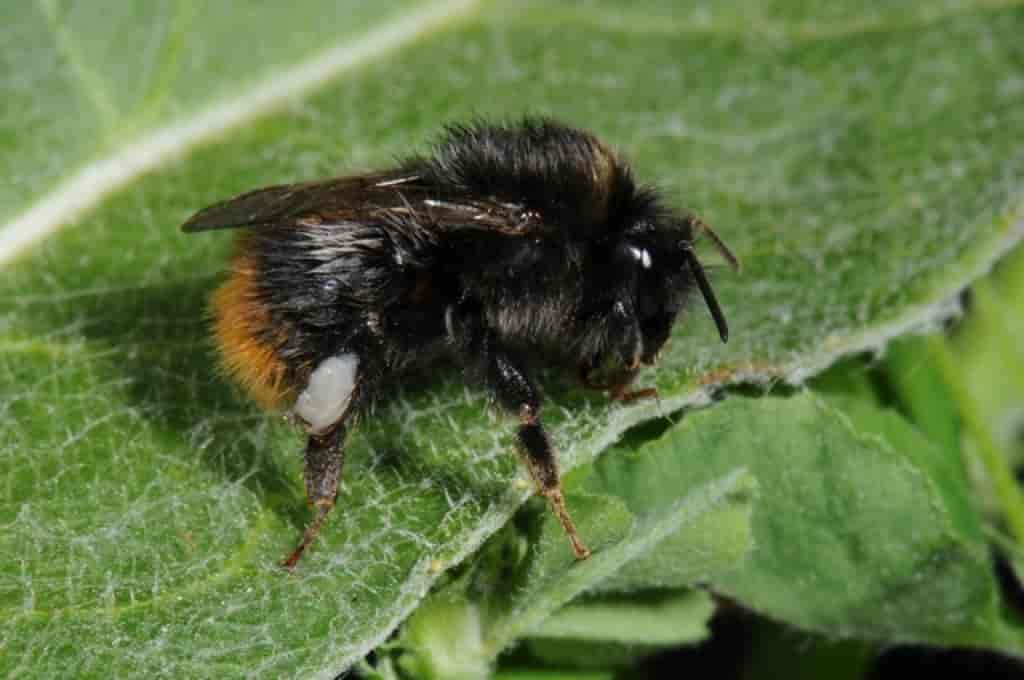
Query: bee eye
pixel 640 255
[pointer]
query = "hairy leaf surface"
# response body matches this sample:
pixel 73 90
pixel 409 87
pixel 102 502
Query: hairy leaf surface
pixel 864 163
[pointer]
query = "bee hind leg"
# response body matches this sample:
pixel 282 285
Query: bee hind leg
pixel 324 458
pixel 325 407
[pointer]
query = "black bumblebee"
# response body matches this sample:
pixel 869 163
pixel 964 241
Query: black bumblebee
pixel 508 244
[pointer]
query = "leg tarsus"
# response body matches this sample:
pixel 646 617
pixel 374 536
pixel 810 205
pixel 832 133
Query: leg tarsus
pixel 310 534
pixel 557 502
pixel 540 461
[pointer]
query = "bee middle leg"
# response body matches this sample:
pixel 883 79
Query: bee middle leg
pixel 516 392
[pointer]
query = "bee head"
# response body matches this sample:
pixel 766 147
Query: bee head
pixel 656 253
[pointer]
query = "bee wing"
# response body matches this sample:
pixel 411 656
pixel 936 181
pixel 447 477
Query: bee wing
pixel 463 214
pixel 288 203
pixel 382 196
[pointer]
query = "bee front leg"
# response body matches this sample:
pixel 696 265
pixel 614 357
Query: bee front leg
pixel 616 327
pixel 616 382
pixel 516 392
pixel 624 330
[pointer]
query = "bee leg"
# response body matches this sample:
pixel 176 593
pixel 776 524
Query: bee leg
pixel 324 458
pixel 617 384
pixel 517 393
pixel 620 391
pixel 629 342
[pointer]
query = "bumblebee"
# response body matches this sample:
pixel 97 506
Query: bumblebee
pixel 507 246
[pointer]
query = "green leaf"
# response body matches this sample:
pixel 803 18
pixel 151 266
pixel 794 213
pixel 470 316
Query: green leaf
pixel 862 162
pixel 507 601
pixel 616 631
pixel 459 631
pixel 587 654
pixel 983 366
pixel 862 527
pixel 654 618
pixel 943 466
pixel 537 674
pixel 444 639
pixel 649 481
pixel 133 85
pixel 989 347
pixel 551 580
pixel 921 390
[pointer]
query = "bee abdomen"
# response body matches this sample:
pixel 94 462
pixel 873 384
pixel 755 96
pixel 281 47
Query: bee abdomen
pixel 248 339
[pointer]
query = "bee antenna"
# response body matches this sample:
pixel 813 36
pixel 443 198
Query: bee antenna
pixel 709 295
pixel 719 244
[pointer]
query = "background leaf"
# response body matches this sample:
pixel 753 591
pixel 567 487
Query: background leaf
pixel 86 92
pixel 550 579
pixel 862 527
pixel 640 620
pixel 508 598
pixel 862 162
pixel 616 632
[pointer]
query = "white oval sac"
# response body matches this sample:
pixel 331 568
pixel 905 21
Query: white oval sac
pixel 328 392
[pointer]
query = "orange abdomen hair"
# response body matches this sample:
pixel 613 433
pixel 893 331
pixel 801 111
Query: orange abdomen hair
pixel 245 331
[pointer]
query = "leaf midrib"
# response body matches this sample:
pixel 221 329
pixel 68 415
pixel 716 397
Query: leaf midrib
pixel 85 188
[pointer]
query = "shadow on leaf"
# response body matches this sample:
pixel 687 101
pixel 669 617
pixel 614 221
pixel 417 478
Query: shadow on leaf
pixel 160 334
